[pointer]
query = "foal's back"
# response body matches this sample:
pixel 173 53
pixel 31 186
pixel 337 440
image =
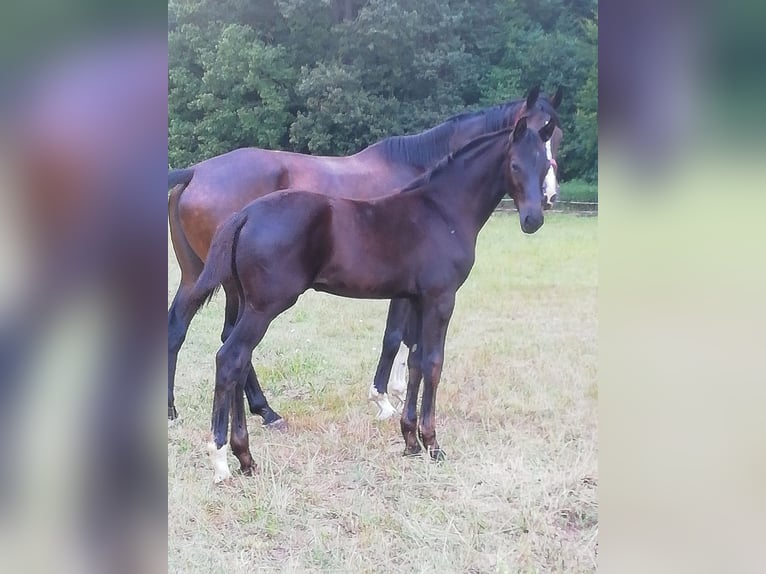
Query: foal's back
pixel 363 249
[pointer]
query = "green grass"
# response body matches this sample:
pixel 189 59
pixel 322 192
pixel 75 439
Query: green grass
pixel 578 190
pixel 516 414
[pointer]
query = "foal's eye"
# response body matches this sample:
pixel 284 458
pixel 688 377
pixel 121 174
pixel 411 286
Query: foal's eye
pixel 515 167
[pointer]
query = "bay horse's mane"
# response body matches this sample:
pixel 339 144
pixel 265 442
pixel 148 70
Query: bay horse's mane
pixel 427 147
pixel 426 176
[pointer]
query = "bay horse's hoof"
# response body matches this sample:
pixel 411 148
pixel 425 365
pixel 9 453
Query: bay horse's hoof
pixel 437 454
pixel 172 413
pixel 278 425
pixel 413 451
pixel 385 409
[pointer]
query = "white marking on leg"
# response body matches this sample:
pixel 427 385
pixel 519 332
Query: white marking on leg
pixel 220 463
pixel 397 382
pixel 380 400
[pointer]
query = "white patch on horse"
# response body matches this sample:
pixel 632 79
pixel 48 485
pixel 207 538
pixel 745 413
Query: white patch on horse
pixel 397 382
pixel 550 185
pixel 385 409
pixel 220 463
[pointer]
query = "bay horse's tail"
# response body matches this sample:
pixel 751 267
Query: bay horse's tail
pixel 220 264
pixel 180 177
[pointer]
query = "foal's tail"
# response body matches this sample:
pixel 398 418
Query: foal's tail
pixel 220 264
pixel 180 177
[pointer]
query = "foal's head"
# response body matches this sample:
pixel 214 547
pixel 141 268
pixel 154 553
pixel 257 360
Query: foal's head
pixel 540 110
pixel 526 168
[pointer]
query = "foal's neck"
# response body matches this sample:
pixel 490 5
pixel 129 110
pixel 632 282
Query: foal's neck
pixel 469 190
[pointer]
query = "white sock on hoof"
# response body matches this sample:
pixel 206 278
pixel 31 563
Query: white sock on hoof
pixel 220 463
pixel 385 408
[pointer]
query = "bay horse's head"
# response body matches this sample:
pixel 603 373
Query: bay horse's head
pixel 540 111
pixel 526 168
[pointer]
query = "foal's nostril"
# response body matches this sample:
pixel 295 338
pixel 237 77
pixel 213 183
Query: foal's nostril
pixel 531 222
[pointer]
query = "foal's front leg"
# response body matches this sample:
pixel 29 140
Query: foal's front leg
pixel 409 420
pixel 436 316
pixel 232 362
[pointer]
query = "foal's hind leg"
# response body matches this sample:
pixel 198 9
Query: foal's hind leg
pixel 232 362
pixel 389 371
pixel 255 397
pixel 240 441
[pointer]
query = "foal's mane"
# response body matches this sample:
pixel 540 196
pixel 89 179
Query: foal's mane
pixel 431 145
pixel 426 177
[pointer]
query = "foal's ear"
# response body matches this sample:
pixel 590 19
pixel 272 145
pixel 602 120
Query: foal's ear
pixel 546 132
pixel 520 129
pixel 532 96
pixel 556 99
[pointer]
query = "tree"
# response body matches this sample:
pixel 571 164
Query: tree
pixel 553 43
pixel 333 76
pixel 341 117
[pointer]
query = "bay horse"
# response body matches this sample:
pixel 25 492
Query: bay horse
pixel 418 244
pixel 204 195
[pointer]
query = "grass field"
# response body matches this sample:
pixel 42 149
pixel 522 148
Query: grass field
pixel 516 415
pixel 577 190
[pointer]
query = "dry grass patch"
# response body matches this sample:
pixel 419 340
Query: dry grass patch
pixel 516 414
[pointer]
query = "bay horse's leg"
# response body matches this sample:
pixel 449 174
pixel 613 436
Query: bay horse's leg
pixel 259 405
pixel 178 315
pixel 255 397
pixel 232 362
pixel 409 419
pixel 399 311
pixel 177 328
pixel 436 316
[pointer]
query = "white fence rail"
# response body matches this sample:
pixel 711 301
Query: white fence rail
pixel 579 207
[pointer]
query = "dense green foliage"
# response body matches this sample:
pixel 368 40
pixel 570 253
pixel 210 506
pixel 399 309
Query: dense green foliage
pixel 333 76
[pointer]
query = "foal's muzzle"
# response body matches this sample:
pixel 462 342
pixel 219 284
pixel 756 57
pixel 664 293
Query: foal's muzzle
pixel 531 222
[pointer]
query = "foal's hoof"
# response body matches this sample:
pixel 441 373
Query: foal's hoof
pixel 412 451
pixel 172 413
pixel 248 471
pixel 278 425
pixel 437 454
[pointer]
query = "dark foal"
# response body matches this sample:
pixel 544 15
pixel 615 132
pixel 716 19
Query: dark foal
pixel 418 244
pixel 204 195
